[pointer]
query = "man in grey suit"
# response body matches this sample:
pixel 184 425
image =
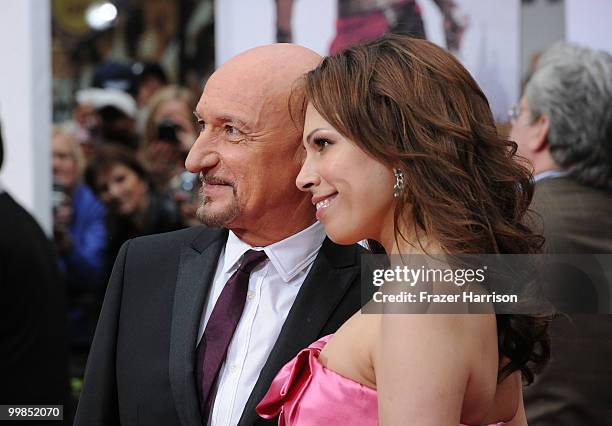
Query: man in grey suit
pixel 564 128
pixel 188 334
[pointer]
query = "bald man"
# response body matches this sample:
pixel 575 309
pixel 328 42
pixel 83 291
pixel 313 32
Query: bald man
pixel 196 323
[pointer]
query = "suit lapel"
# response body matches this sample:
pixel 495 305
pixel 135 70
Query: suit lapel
pixel 197 266
pixel 333 271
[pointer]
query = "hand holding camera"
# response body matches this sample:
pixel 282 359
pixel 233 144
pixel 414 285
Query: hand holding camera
pixel 62 217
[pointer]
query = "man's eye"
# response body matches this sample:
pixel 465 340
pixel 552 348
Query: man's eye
pixel 232 131
pixel 202 125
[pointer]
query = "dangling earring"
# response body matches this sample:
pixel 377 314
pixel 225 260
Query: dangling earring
pixel 399 183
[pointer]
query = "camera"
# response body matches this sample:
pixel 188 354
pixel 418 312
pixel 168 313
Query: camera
pixel 188 185
pixel 59 196
pixel 167 131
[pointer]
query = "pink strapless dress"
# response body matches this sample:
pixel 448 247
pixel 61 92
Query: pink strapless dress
pixel 306 393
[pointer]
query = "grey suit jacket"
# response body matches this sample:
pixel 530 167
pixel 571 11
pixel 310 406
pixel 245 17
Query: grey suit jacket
pixel 141 368
pixel 574 389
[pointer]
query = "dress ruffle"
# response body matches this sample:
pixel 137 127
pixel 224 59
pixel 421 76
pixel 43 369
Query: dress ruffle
pixel 306 393
pixel 287 388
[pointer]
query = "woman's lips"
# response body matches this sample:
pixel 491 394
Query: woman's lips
pixel 324 204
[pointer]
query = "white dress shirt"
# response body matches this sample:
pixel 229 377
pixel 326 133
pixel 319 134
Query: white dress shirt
pixel 273 287
pixel 549 174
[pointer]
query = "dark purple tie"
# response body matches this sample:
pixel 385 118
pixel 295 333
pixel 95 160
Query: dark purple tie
pixel 220 328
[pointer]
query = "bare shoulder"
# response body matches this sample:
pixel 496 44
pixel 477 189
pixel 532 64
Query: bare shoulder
pixel 465 333
pixel 442 363
pixel 426 363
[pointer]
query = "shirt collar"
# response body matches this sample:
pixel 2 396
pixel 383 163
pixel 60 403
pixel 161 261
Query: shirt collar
pixel 549 174
pixel 289 256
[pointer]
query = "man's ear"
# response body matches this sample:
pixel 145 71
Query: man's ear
pixel 541 127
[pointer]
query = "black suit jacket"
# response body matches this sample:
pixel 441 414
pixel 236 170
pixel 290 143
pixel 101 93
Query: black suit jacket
pixel 33 344
pixel 574 388
pixel 141 369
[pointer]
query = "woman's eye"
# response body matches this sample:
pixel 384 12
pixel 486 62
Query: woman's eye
pixel 321 143
pixel 202 126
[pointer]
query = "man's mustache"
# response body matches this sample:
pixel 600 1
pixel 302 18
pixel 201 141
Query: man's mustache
pixel 213 180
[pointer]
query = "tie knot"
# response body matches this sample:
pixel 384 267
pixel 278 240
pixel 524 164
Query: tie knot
pixel 251 259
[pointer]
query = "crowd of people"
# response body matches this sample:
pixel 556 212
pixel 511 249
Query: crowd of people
pixel 118 173
pixel 396 145
pixel 290 162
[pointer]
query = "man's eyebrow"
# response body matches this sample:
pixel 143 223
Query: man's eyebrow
pixel 224 118
pixel 231 118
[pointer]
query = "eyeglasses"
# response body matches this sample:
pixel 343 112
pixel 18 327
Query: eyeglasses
pixel 513 112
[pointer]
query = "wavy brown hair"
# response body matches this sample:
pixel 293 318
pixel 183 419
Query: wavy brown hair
pixel 411 105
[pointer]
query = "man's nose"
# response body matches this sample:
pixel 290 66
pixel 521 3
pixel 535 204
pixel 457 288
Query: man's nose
pixel 308 177
pixel 203 154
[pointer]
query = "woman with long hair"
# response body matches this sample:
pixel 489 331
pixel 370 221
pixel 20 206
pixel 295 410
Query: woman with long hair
pixel 402 149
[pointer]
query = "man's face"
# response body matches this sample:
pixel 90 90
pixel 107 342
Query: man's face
pixel 523 130
pixel 248 154
pixel 64 164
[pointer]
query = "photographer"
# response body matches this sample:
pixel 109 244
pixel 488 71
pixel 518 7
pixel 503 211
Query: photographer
pixel 78 217
pixel 169 134
pixel 80 235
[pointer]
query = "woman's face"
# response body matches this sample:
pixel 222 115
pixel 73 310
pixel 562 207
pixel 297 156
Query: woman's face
pixel 122 189
pixel 352 191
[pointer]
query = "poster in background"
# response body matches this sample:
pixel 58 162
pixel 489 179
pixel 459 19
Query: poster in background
pixel 589 25
pixel 176 34
pixel 489 48
pixel 242 24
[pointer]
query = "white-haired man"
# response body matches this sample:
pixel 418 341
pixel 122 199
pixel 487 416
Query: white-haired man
pixel 563 126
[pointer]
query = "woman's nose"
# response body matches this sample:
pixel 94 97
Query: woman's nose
pixel 307 178
pixel 113 191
